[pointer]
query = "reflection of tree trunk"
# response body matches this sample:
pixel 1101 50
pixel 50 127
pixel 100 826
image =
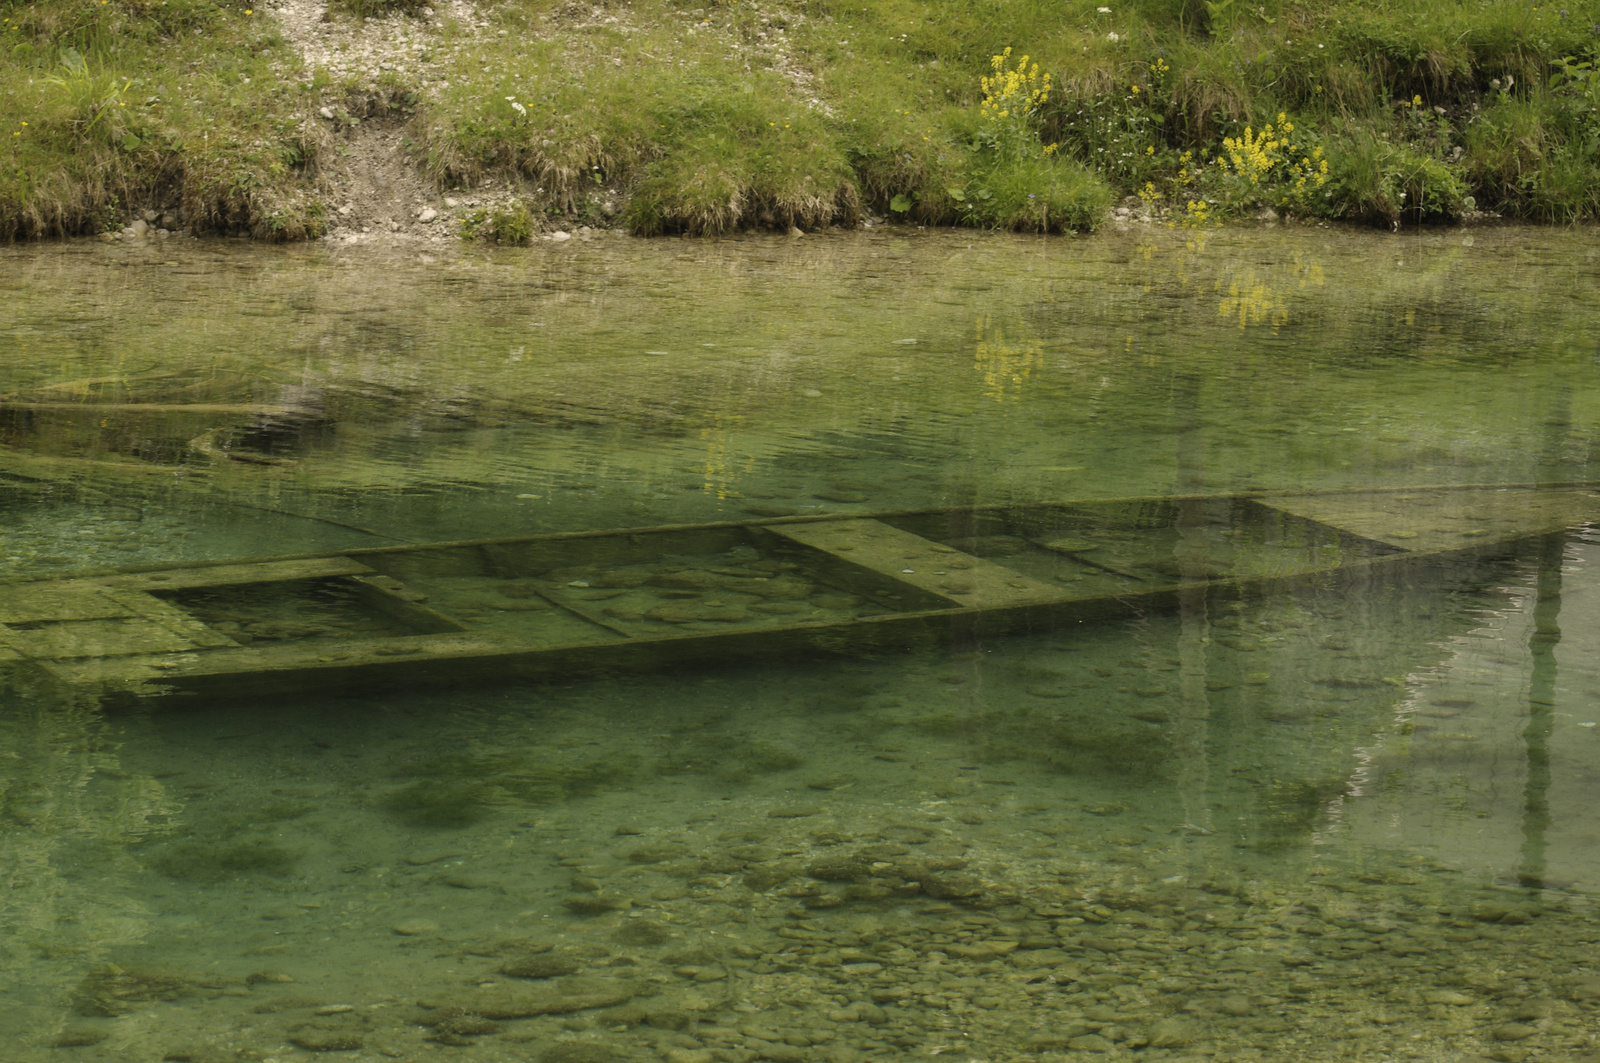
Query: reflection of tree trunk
pixel 1190 729
pixel 1541 709
pixel 1542 655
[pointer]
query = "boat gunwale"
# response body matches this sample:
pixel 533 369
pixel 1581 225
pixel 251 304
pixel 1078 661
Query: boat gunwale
pixel 881 515
pixel 1128 601
pixel 996 619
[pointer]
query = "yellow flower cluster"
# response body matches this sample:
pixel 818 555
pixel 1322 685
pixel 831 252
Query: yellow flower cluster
pixel 1013 92
pixel 1254 155
pixel 1310 172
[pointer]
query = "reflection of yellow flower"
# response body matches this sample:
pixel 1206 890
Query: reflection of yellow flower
pixel 1259 299
pixel 1005 366
pixel 1252 303
pixel 718 468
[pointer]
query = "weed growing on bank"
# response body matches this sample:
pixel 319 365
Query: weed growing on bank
pixel 679 116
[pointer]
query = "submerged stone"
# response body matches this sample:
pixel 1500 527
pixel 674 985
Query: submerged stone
pixel 1513 1031
pixel 79 1037
pixel 656 852
pixel 548 965
pixel 1173 1033
pixel 597 903
pixel 839 868
pixel 582 1052
pixel 951 885
pixel 320 1037
pixel 643 932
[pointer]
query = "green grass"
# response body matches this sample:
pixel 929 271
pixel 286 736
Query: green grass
pixel 704 119
pixel 110 106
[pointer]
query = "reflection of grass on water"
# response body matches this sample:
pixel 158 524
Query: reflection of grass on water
pixel 459 789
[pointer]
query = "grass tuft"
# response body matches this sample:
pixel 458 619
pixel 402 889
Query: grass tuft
pixel 684 117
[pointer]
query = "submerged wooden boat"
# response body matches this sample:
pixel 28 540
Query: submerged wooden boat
pixel 471 612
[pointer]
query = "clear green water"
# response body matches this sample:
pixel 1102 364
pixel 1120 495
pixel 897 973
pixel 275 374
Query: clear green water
pixel 1343 822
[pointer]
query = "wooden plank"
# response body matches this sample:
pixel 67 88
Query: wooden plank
pixel 113 637
pixel 177 579
pixel 170 617
pixel 102 409
pixel 398 602
pixel 580 610
pixel 304 657
pixel 944 571
pixel 1444 520
pixel 54 600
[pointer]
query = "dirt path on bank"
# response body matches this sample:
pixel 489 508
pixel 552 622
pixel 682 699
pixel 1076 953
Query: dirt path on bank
pixel 370 169
pixel 377 189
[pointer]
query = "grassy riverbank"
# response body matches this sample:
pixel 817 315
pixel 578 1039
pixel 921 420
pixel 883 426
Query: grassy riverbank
pixel 682 116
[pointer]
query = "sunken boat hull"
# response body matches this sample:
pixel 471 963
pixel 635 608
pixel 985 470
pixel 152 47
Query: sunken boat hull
pixel 647 599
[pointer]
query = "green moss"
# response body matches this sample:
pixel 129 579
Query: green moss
pixel 282 811
pixel 509 225
pixel 1286 811
pixel 1073 743
pixel 459 789
pixel 731 758
pixel 438 803
pixel 217 860
pixel 950 724
pixel 111 991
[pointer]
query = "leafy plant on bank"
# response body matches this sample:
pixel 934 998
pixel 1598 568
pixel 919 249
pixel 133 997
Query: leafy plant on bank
pixel 94 98
pixel 1119 133
pixel 1269 168
pixel 1384 180
pixel 1576 84
pixel 1017 181
pixel 1012 98
pixel 512 224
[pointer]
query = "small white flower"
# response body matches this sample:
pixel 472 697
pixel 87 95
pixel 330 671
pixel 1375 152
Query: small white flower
pixel 1112 37
pixel 1103 10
